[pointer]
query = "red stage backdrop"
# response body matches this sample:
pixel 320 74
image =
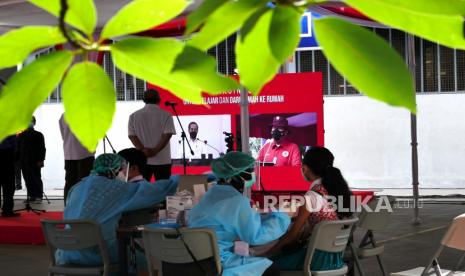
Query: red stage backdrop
pixel 298 97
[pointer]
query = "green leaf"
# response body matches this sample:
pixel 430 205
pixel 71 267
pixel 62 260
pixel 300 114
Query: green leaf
pixel 141 15
pixel 90 101
pixel 28 88
pixel 198 69
pixel 199 15
pixel 224 21
pixel 153 60
pixel 367 61
pixel 16 45
pixel 285 32
pixel 80 14
pixel 255 61
pixel 435 20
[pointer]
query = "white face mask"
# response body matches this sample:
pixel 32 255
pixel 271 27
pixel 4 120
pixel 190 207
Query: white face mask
pixel 250 182
pixel 121 176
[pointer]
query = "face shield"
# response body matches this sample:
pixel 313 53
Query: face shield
pixel 123 174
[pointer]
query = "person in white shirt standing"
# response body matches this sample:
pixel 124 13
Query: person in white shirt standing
pixel 150 129
pixel 78 160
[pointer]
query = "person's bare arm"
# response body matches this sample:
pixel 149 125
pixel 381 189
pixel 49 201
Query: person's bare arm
pixel 294 232
pixel 136 142
pixel 165 139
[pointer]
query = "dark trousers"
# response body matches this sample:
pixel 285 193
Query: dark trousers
pixel 7 178
pixel 75 170
pixel 18 174
pixel 160 171
pixel 33 180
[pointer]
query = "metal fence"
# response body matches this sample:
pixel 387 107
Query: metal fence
pixel 438 69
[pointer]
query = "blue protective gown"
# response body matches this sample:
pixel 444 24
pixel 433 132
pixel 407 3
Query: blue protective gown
pixel 104 200
pixel 228 212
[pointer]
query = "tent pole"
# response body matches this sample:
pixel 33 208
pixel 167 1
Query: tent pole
pixel 245 120
pixel 413 130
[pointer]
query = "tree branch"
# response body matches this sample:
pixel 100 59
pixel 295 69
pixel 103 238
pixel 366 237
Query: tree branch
pixel 61 22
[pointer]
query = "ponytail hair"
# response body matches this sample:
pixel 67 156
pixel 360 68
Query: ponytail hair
pixel 320 161
pixel 336 185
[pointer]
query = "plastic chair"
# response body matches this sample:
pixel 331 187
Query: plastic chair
pixel 370 221
pixel 174 248
pixel 330 236
pixel 76 235
pixel 454 238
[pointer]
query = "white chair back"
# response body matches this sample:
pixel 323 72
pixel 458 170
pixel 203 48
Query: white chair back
pixel 455 236
pixel 76 234
pixel 330 236
pixel 375 221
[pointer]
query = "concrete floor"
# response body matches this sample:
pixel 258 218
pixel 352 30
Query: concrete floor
pixel 406 245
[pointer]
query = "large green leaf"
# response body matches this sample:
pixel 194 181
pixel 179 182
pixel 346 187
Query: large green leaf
pixel 435 20
pixel 153 60
pixel 16 45
pixel 141 15
pixel 29 88
pixel 89 99
pixel 224 21
pixel 367 61
pixel 285 31
pixel 196 68
pixel 254 58
pixel 81 13
pixel 199 15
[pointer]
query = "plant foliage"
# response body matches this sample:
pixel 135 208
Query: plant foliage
pixel 267 35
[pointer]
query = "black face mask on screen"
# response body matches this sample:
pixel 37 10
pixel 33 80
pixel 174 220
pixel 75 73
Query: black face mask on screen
pixel 276 134
pixel 193 135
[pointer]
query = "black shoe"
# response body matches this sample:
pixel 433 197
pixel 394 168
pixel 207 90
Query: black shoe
pixel 10 214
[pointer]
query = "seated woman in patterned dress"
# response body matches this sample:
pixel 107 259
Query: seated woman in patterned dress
pixel 317 167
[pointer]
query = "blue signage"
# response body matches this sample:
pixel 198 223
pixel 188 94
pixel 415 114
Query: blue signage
pixel 307 37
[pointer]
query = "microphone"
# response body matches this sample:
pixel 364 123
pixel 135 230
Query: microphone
pixel 227 133
pixel 210 146
pixel 203 141
pixel 168 103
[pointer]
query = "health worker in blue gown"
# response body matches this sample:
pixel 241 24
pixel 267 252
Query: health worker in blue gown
pixel 225 210
pixel 103 197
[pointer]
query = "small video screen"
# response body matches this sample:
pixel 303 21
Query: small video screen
pixel 205 136
pixel 281 139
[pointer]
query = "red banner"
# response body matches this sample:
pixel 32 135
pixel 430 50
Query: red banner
pixel 286 93
pixel 297 97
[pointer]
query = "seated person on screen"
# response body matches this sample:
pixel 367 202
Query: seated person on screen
pixel 326 181
pixel 198 146
pixel 279 150
pixel 103 197
pixel 224 209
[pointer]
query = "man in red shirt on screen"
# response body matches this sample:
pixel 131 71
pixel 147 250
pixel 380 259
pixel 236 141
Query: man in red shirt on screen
pixel 279 151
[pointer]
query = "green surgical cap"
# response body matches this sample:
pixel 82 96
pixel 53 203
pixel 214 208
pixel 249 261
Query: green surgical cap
pixel 231 164
pixel 107 163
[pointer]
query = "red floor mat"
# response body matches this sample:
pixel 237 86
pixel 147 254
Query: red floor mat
pixel 25 229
